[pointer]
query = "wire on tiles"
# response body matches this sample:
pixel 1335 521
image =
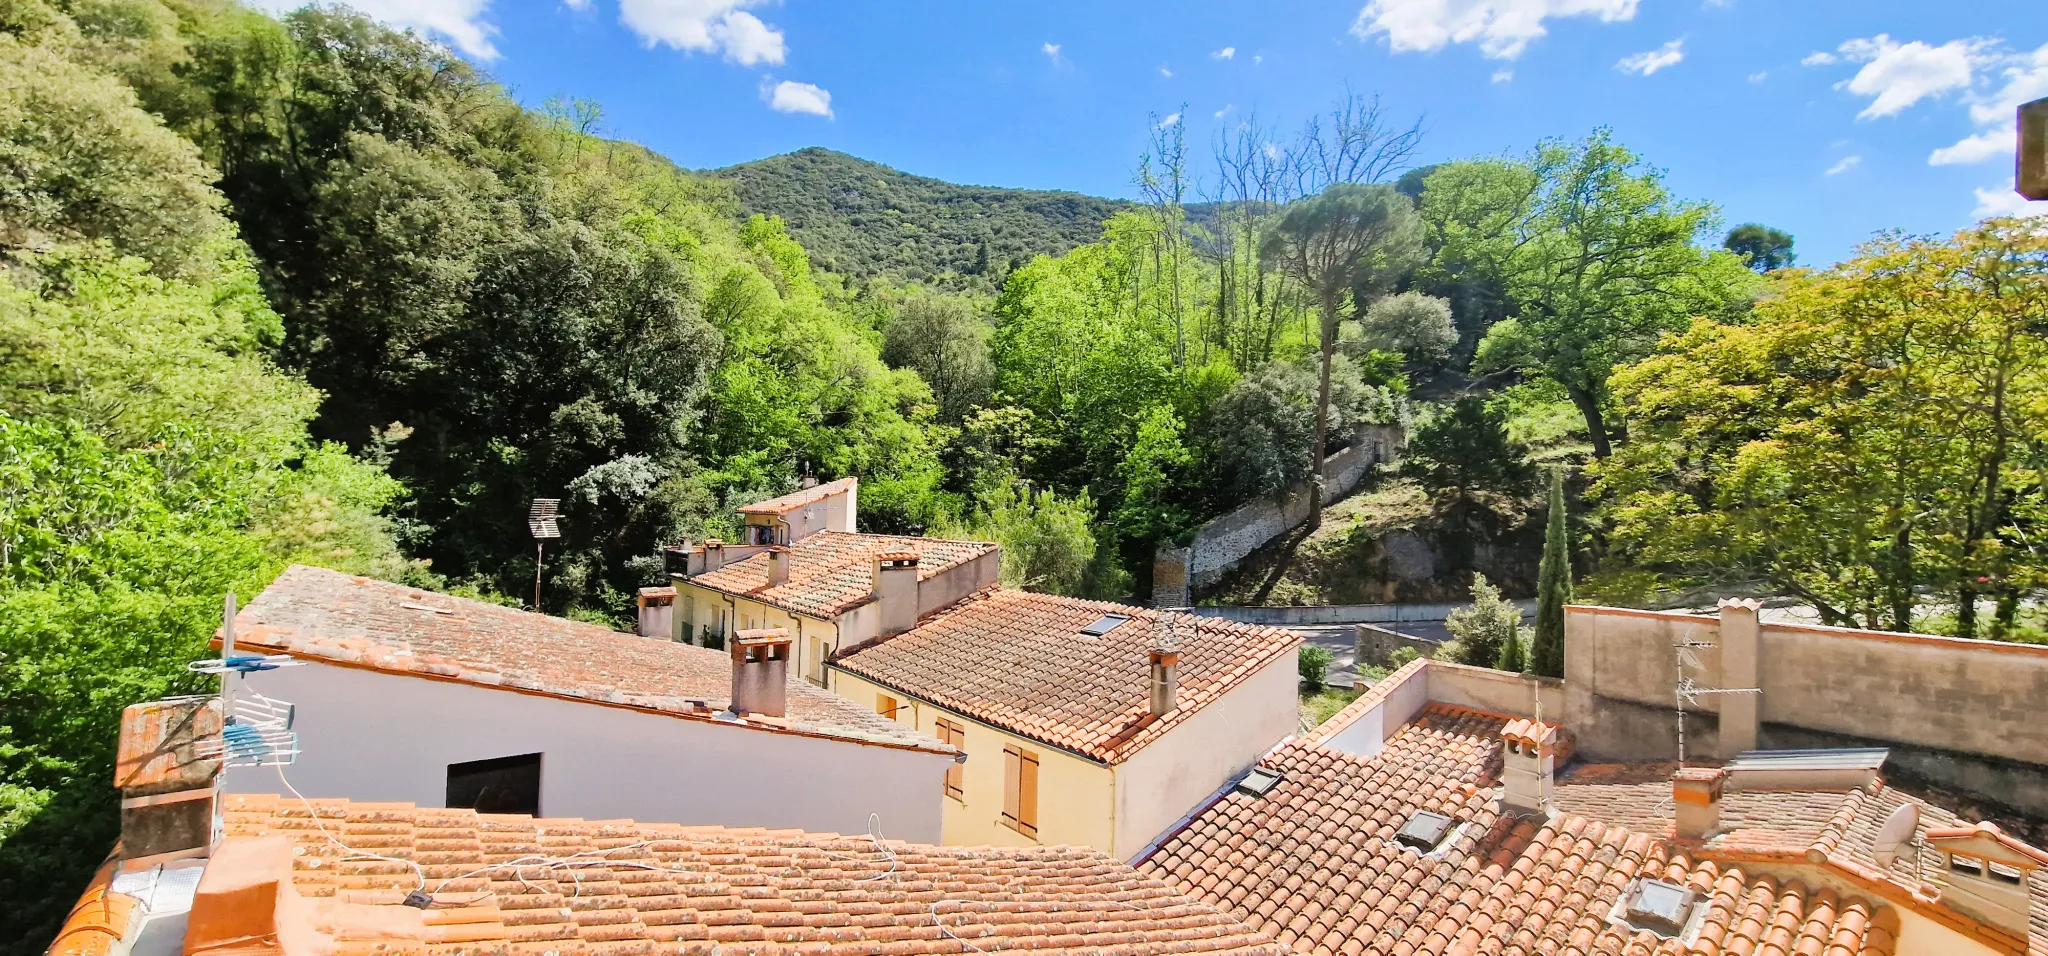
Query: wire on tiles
pixel 354 854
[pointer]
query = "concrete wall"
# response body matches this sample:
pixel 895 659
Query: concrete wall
pixel 1223 541
pixel 1968 710
pixel 366 735
pixel 1364 728
pixel 1163 782
pixel 1372 644
pixel 1283 616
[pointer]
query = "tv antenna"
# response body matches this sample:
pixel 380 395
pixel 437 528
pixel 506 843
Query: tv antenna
pixel 1689 691
pixel 540 520
pixel 256 731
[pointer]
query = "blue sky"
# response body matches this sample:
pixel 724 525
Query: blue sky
pixel 1831 119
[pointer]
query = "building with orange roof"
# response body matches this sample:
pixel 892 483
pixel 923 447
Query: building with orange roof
pixel 1439 814
pixel 1085 722
pixel 291 876
pixel 408 695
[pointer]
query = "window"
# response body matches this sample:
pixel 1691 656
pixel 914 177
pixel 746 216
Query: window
pixel 1423 831
pixel 1104 624
pixel 498 785
pixel 1660 907
pixel 952 733
pixel 886 706
pixel 1258 781
pixel 1020 790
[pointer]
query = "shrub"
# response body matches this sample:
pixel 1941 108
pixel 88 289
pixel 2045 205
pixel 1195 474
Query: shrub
pixel 1482 628
pixel 1402 657
pixel 1315 666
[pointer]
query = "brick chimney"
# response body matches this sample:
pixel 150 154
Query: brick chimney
pixel 168 792
pixel 1696 799
pixel 895 591
pixel 1528 768
pixel 778 566
pixel 760 671
pixel 1165 660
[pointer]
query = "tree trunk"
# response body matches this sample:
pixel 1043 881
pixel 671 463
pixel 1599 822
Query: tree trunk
pixel 1315 458
pixel 1596 423
pixel 1966 611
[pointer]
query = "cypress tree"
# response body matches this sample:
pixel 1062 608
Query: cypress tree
pixel 1553 587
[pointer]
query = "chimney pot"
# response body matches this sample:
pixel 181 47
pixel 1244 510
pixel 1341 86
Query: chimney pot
pixel 778 566
pixel 1696 797
pixel 1528 766
pixel 895 590
pixel 1165 681
pixel 760 671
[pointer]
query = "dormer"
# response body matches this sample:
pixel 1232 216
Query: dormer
pixel 1528 766
pixel 1986 874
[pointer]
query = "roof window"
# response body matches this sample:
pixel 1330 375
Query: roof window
pixel 1660 907
pixel 1423 831
pixel 1104 624
pixel 1259 781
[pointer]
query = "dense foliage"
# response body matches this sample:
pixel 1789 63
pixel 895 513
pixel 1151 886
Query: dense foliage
pixel 864 220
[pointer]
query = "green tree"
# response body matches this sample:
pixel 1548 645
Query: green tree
pixel 1347 241
pixel 1314 664
pixel 1047 540
pixel 1262 423
pixel 1761 247
pixel 1596 256
pixel 1482 632
pixel 1466 448
pixel 1411 323
pixel 1553 586
pixel 945 340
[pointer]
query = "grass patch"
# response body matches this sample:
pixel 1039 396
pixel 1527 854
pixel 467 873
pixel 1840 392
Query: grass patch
pixel 1324 704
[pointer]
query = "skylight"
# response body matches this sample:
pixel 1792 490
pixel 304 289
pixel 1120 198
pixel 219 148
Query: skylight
pixel 1660 907
pixel 1423 831
pixel 1258 782
pixel 1104 624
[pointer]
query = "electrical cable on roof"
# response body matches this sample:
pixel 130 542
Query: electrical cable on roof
pixel 354 854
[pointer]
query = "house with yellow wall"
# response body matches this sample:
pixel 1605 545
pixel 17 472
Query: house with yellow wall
pixel 1083 722
pixel 801 566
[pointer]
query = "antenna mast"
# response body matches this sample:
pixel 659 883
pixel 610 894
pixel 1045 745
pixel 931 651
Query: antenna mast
pixel 1689 692
pixel 541 521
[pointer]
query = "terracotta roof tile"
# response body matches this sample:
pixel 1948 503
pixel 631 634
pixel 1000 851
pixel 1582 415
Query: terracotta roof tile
pixel 1018 660
pixel 656 888
pixel 783 504
pixel 832 572
pixel 1314 863
pixel 319 614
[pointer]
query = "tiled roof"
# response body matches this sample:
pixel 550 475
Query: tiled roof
pixel 783 504
pixel 1314 863
pixel 320 614
pixel 638 888
pixel 832 572
pixel 1019 661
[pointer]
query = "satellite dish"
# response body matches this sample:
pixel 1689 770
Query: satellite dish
pixel 1896 831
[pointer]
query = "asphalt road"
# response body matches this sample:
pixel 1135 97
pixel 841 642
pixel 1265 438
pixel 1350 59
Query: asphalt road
pixel 1338 640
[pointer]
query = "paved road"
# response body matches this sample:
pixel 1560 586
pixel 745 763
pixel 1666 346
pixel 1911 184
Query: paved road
pixel 1337 639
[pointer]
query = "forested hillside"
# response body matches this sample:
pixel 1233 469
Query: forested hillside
pixel 863 219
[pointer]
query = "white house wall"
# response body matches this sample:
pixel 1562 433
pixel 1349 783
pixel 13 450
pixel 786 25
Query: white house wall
pixel 367 735
pixel 1174 773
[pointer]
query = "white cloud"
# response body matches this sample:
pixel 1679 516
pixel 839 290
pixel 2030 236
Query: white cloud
pixel 1650 61
pixel 2003 201
pixel 1052 50
pixel 1163 71
pixel 1503 76
pixel 792 97
pixel 1225 111
pixel 1167 123
pixel 2026 78
pixel 578 5
pixel 1257 59
pixel 1847 163
pixel 1502 28
pixel 1975 149
pixel 460 22
pixel 1818 58
pixel 705 26
pixel 1224 54
pixel 1759 76
pixel 1897 75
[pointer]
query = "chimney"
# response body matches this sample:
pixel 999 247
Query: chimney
pixel 1165 659
pixel 1528 766
pixel 1985 874
pixel 760 671
pixel 245 902
pixel 1696 797
pixel 657 612
pixel 2031 176
pixel 895 590
pixel 778 566
pixel 168 792
pixel 714 555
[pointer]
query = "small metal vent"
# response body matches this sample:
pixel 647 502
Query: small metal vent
pixel 1660 907
pixel 1104 624
pixel 1423 831
pixel 1259 781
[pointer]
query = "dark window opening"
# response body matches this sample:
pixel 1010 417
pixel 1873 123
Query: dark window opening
pixel 498 785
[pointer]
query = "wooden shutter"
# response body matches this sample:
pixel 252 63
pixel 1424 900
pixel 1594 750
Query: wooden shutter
pixel 885 705
pixel 1020 790
pixel 952 733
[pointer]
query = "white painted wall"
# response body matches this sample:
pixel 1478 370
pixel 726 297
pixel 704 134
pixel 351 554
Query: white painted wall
pixel 1162 782
pixel 367 735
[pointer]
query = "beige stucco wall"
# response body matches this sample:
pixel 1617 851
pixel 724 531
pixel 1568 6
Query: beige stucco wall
pixel 1075 796
pixel 1175 773
pixel 812 640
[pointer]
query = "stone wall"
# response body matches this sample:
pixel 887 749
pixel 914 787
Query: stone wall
pixel 1964 713
pixel 1225 540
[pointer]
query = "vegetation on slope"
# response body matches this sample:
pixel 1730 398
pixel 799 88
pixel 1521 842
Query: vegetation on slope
pixel 864 220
